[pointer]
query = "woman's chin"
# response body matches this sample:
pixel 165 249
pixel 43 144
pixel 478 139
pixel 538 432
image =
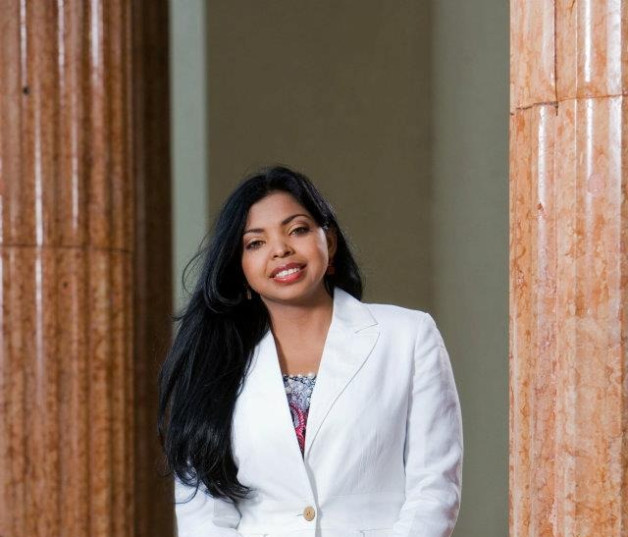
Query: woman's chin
pixel 296 296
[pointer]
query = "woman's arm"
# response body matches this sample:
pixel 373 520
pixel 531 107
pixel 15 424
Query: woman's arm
pixel 201 515
pixel 433 447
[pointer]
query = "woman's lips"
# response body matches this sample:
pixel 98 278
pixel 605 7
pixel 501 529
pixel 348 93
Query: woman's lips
pixel 289 274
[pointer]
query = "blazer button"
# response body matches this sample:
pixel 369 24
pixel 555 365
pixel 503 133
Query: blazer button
pixel 309 513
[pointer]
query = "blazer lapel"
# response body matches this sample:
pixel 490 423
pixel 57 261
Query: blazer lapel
pixel 269 383
pixel 267 403
pixel 351 337
pixel 350 340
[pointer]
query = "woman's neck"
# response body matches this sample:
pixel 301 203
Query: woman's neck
pixel 292 324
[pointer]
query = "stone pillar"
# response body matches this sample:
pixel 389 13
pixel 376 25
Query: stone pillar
pixel 68 270
pixel 154 511
pixel 569 269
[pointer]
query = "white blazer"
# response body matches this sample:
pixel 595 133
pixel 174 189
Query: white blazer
pixel 383 443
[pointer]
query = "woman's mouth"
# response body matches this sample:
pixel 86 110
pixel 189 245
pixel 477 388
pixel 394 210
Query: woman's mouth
pixel 289 274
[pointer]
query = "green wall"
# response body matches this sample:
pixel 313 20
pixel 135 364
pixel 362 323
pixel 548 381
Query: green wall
pixel 470 241
pixel 189 121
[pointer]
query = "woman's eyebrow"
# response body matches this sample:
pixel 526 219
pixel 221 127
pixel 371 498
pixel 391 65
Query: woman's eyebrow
pixel 283 223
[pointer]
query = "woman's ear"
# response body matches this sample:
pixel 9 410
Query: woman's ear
pixel 332 241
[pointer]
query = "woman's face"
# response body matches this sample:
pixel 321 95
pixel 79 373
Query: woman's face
pixel 284 252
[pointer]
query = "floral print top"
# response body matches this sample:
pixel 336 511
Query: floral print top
pixel 299 392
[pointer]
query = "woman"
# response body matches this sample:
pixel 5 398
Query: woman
pixel 287 406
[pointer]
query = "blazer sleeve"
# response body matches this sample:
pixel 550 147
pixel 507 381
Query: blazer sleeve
pixel 433 447
pixel 201 515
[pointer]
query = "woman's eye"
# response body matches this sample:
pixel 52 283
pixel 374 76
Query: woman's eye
pixel 300 230
pixel 253 245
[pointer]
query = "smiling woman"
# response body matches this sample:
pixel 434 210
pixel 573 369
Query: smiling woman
pixel 267 410
pixel 286 253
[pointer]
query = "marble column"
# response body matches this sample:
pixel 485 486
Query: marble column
pixel 68 265
pixel 154 511
pixel 568 269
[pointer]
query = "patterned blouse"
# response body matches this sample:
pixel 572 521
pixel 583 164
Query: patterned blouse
pixel 299 392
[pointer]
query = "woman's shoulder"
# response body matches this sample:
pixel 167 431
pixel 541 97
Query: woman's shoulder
pixel 398 324
pixel 390 317
pixel 398 316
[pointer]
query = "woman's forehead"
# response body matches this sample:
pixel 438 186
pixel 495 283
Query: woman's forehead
pixel 273 209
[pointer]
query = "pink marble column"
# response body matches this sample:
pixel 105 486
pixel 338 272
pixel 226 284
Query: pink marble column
pixel 68 265
pixel 569 269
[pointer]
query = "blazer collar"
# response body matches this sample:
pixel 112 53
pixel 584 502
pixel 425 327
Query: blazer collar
pixel 350 313
pixel 350 340
pixel 351 337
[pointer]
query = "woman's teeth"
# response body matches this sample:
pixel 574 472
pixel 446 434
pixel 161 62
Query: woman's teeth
pixel 285 273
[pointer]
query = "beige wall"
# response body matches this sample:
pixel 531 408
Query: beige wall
pixel 342 94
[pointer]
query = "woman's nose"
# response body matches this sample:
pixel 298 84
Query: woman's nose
pixel 281 249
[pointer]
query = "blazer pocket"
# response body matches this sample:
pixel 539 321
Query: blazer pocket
pixel 377 533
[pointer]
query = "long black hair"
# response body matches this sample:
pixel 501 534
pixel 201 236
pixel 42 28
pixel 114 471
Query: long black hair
pixel 218 331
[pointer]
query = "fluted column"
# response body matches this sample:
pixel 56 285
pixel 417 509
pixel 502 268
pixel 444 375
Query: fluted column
pixel 569 269
pixel 154 512
pixel 67 247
